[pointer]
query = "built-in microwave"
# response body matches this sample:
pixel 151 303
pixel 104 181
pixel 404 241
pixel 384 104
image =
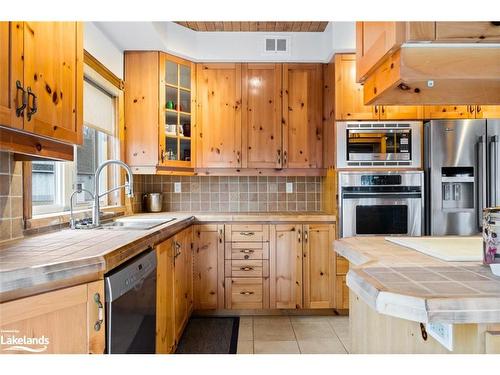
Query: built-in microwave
pixel 392 144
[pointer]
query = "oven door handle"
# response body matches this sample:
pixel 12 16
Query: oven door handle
pixel 382 195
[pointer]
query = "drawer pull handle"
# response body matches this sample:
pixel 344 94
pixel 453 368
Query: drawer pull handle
pixel 246 268
pixel 247 233
pixel 247 251
pixel 247 293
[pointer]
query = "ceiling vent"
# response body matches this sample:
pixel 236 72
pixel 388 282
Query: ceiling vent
pixel 279 45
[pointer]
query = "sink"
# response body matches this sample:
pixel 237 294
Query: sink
pixel 135 223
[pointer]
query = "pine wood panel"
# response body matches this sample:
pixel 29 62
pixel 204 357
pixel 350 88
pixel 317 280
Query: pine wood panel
pixel 329 114
pixel 302 115
pixel 219 115
pixel 11 70
pixel 261 116
pixel 180 285
pixel 53 69
pixel 255 26
pixel 141 108
pixel 66 317
pixel 319 266
pixel 341 293
pixel 165 330
pixel 207 252
pixel 467 31
pixel 286 266
pixel 349 102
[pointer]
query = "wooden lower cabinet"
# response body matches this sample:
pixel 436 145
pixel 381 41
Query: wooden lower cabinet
pixel 247 292
pixel 318 266
pixel 69 319
pixel 174 289
pixel 285 265
pixel 208 263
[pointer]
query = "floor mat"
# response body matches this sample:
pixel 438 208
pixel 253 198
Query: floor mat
pixel 210 336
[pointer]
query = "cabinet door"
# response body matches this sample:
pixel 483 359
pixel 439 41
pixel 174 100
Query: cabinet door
pixel 180 285
pixel 319 272
pixel 66 318
pixel 53 71
pixel 165 319
pixel 488 111
pixel 349 102
pixel 302 114
pixel 285 265
pixel 261 141
pixel 448 111
pixel 401 112
pixel 11 71
pixel 219 115
pixel 208 267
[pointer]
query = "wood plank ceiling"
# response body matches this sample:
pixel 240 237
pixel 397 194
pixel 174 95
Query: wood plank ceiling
pixel 255 26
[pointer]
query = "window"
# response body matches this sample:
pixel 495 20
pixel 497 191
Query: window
pixel 53 182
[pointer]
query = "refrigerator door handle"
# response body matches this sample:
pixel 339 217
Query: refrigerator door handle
pixel 481 180
pixel 493 171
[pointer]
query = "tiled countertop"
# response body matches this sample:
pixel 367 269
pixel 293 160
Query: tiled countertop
pixel 404 283
pixel 69 257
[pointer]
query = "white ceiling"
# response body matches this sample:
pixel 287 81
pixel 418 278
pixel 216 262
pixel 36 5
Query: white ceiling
pixel 227 46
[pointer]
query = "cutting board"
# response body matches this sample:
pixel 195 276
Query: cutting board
pixel 449 248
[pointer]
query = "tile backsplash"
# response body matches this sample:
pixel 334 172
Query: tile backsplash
pixel 232 194
pixel 11 197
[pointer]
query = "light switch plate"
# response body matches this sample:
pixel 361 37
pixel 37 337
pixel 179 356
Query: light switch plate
pixel 289 187
pixel 177 187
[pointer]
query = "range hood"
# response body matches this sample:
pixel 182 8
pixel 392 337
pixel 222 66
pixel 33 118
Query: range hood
pixel 425 73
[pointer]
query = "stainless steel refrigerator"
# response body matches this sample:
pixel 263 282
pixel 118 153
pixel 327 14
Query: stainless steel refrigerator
pixel 462 176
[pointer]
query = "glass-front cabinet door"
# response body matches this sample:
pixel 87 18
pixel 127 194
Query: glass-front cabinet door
pixel 177 109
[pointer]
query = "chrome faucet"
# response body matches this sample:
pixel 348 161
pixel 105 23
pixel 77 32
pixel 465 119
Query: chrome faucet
pixel 128 185
pixel 79 189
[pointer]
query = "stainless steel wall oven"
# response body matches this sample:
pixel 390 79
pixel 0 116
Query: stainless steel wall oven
pixel 381 203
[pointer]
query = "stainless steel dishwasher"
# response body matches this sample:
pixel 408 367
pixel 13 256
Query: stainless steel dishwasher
pixel 131 306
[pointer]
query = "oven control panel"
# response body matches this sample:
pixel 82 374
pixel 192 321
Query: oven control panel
pixel 377 180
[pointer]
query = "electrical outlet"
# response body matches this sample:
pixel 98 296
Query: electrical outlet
pixel 177 187
pixel 289 187
pixel 442 332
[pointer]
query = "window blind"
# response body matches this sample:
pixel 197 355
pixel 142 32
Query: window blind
pixel 98 108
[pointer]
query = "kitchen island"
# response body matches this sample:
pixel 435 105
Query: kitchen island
pixel 403 301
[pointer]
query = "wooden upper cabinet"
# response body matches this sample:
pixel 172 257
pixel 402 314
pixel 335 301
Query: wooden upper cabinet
pixel 11 72
pixel 449 111
pixel 142 108
pixel 467 31
pixel 219 115
pixel 261 117
pixel 53 79
pixel 349 103
pixel 488 111
pixel 400 112
pixel 302 114
pixel 285 266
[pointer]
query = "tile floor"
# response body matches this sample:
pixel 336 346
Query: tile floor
pixel 293 335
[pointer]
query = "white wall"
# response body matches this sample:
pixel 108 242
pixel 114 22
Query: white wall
pixel 228 46
pixel 103 49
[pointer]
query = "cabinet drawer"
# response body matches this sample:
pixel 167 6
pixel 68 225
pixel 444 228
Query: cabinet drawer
pixel 247 250
pixel 247 233
pixel 342 265
pixel 244 293
pixel 245 268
